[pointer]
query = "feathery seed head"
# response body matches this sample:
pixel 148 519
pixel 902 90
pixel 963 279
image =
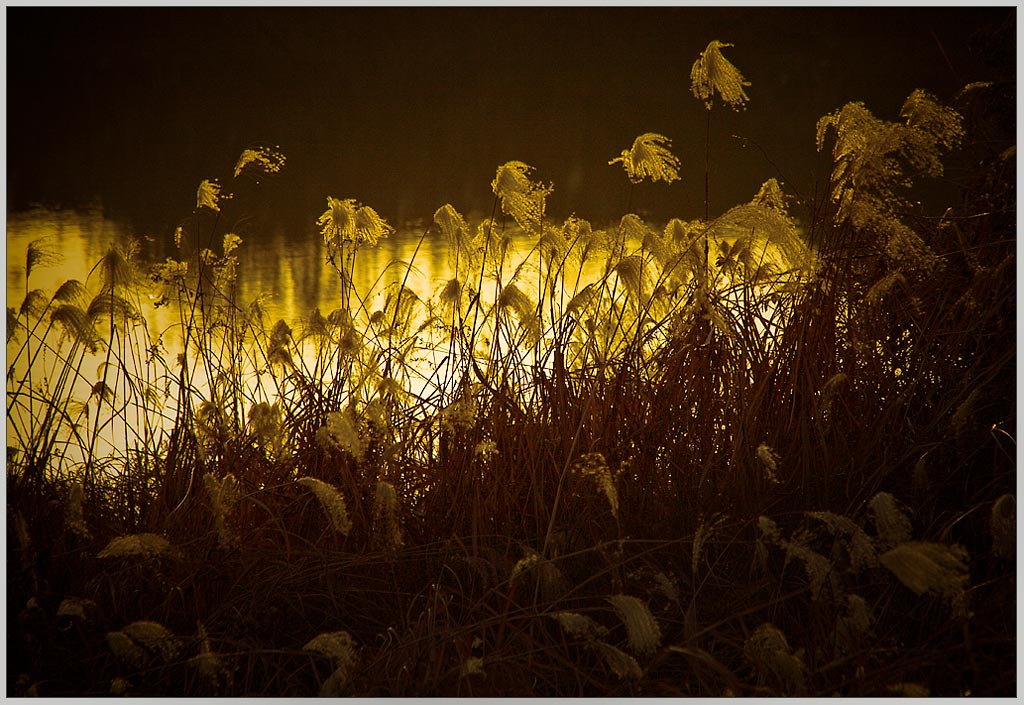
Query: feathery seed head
pixel 76 325
pixel 935 568
pixel 712 73
pixel 115 308
pixel 770 195
pixel 943 125
pixel 208 195
pixel 343 432
pixel 520 197
pixel 583 240
pixel 260 160
pixel 460 415
pixel 633 274
pixel 265 423
pixel 13 324
pixel 78 608
pixel 579 625
pixel 854 624
pixel 340 647
pixel 464 250
pixel 386 522
pixel 34 304
pixel 593 465
pixel 452 292
pixel 337 223
pixel 632 227
pixel 582 300
pixel 907 251
pixel 126 650
pixel 73 514
pixel 474 665
pixel 485 450
pixel 622 664
pixel 117 267
pixel 859 613
pixel 223 496
pixel 649 157
pixel 317 326
pixel 512 177
pixel 139 642
pixel 278 352
pixel 773 658
pixel 769 461
pixel 145 545
pixel 522 305
pixel 552 245
pixel 705 530
pixel 451 225
pixel 890 518
pixel 817 566
pixel 349 221
pixel 72 292
pixel 641 627
pixel 332 502
pixel 208 664
pixel 42 252
pixel 231 243
pixel 861 550
pixel 370 227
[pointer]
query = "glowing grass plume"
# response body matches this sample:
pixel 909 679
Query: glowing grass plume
pixel 649 157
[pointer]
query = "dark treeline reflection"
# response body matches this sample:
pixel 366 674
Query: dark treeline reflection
pixel 410 108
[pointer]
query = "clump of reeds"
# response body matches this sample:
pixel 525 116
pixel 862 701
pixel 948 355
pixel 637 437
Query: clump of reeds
pixel 716 455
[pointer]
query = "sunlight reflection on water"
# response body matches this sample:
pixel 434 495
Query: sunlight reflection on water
pixel 288 269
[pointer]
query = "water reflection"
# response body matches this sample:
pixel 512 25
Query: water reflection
pixel 286 268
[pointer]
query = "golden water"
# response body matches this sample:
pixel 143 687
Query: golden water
pixel 287 267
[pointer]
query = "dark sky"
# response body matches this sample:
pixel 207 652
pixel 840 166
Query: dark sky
pixel 406 109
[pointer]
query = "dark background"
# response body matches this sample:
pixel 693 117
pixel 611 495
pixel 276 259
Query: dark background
pixel 406 109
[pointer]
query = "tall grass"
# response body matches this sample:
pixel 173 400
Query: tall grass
pixel 703 458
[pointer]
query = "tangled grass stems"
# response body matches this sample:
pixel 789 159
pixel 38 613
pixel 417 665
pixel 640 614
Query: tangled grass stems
pixel 695 457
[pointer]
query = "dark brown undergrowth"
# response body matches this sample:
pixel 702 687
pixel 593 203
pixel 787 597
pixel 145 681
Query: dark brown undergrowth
pixel 726 463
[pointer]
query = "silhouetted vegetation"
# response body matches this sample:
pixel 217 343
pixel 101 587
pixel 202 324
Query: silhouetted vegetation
pixel 722 456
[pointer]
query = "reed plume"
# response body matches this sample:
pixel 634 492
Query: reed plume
pixel 713 73
pixel 208 195
pixel 332 501
pixel 649 157
pixel 520 197
pixel 260 160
